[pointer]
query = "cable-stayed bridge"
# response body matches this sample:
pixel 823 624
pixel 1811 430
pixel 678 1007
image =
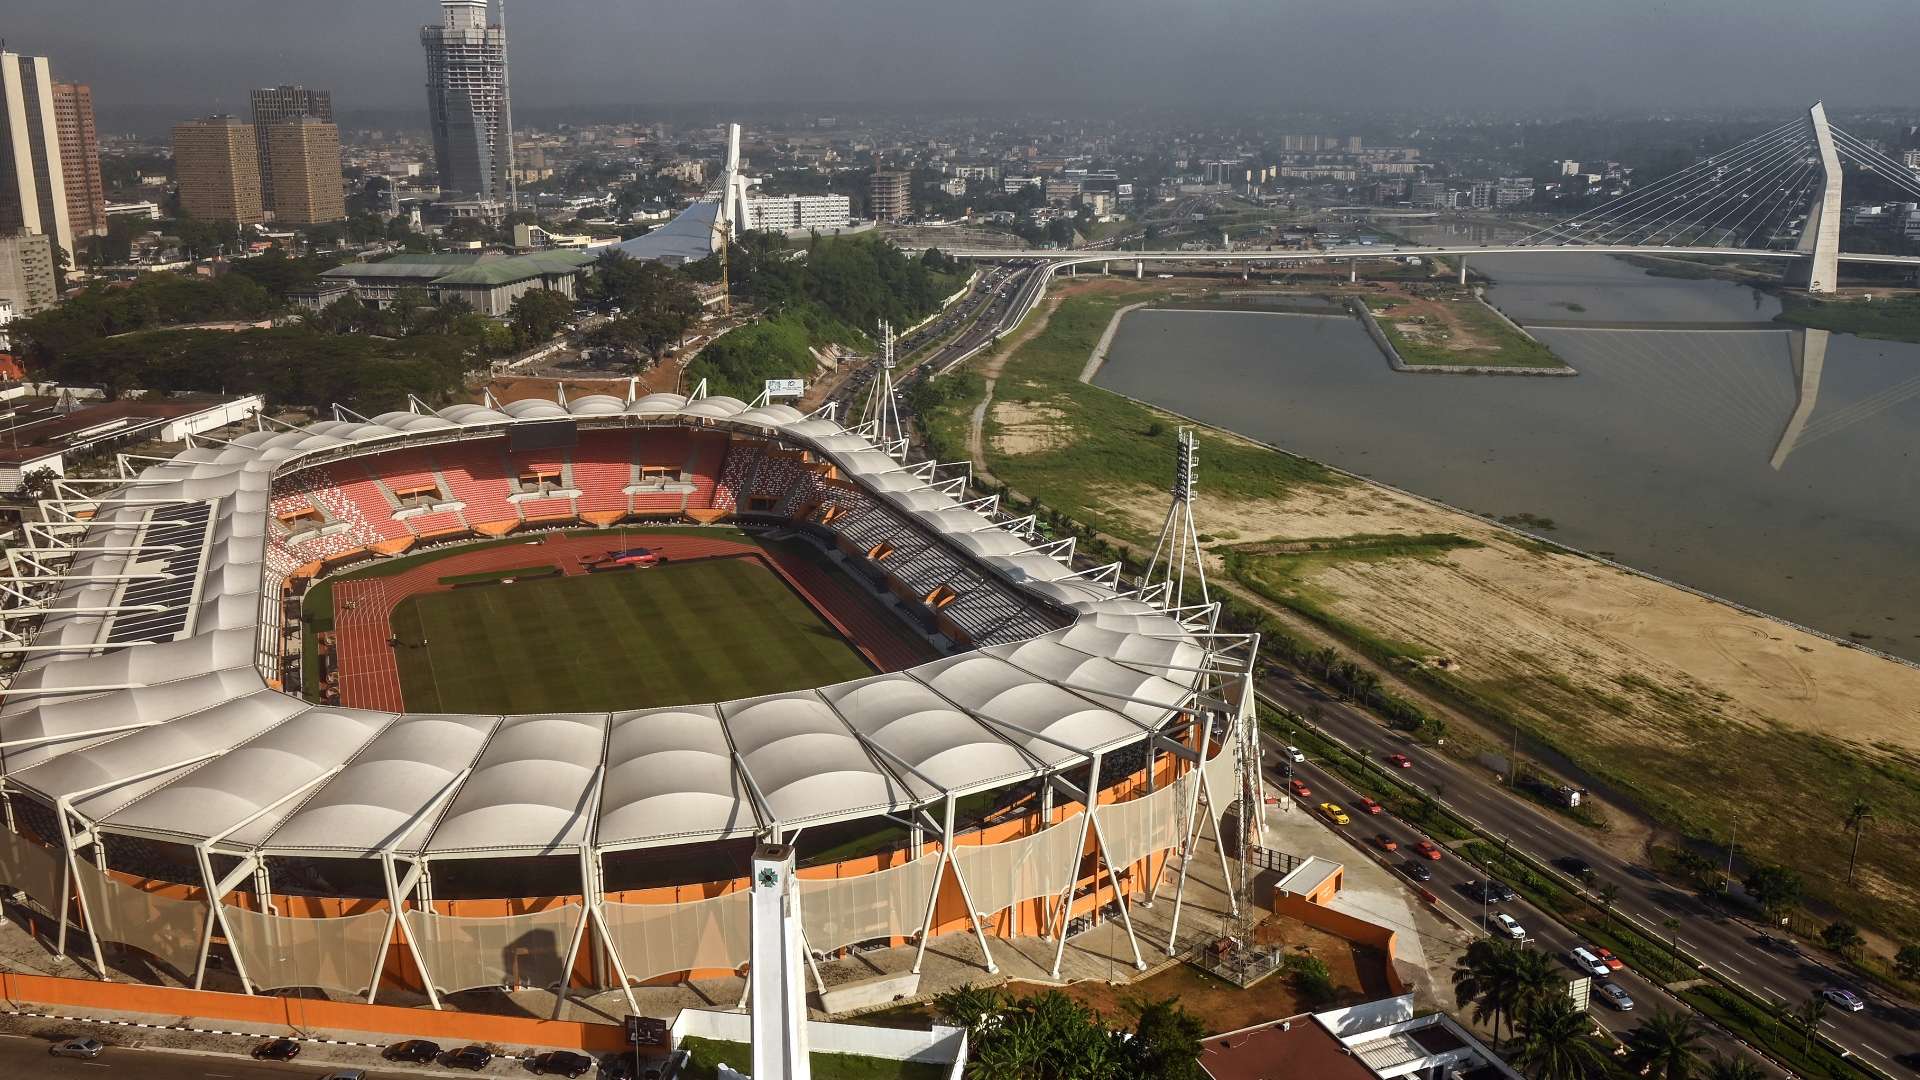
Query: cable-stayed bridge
pixel 1776 195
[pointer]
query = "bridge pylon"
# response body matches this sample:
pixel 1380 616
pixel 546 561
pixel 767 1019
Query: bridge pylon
pixel 1821 237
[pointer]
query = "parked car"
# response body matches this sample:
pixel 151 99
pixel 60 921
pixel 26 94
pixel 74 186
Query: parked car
pixel 1400 761
pixel 1385 842
pixel 1428 849
pixel 1369 805
pixel 1589 964
pixel 562 1063
pixel 1506 924
pixel 473 1058
pixel 1606 956
pixel 1294 754
pixel 346 1074
pixel 1615 995
pixel 412 1052
pixel 1300 788
pixel 277 1050
pixel 1333 813
pixel 1843 998
pixel 1418 871
pixel 77 1048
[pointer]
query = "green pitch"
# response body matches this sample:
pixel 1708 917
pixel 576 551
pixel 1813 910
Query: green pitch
pixel 677 634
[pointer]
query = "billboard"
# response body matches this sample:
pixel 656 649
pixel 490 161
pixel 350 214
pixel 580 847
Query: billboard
pixel 779 388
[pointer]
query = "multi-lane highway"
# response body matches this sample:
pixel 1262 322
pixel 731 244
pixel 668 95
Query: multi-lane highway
pixel 1886 1033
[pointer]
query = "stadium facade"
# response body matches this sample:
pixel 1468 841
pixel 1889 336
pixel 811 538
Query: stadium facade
pixel 167 789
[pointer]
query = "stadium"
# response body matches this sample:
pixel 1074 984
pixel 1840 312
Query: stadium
pixel 504 695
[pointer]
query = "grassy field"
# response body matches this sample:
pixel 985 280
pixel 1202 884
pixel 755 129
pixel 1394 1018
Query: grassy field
pixel 619 640
pixel 1488 341
pixel 1895 319
pixel 1100 439
pixel 707 1055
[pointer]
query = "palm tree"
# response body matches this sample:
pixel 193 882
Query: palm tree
pixel 1857 817
pixel 1666 1047
pixel 1734 1068
pixel 1809 1018
pixel 1556 1041
pixel 1484 978
pixel 1609 895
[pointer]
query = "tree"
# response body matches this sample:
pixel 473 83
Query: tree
pixel 1907 962
pixel 1734 1068
pixel 1166 1042
pixel 1609 895
pixel 1843 938
pixel 1556 1041
pixel 537 315
pixel 1774 888
pixel 1809 1016
pixel 36 482
pixel 1665 1047
pixel 1500 980
pixel 1856 820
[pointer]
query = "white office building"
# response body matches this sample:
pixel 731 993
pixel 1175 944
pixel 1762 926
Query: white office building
pixel 784 213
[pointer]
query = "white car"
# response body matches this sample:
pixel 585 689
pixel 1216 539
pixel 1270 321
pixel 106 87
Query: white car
pixel 1588 963
pixel 87 1049
pixel 1294 754
pixel 1843 998
pixel 1504 923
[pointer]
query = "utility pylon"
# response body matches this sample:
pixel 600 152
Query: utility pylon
pixel 881 414
pixel 1178 554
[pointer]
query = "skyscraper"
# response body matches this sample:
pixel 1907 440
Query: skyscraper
pixel 306 184
pixel 218 166
pixel 33 190
pixel 890 196
pixel 272 104
pixel 467 103
pixel 80 158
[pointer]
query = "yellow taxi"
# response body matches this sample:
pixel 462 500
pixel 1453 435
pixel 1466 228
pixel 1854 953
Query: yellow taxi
pixel 1334 814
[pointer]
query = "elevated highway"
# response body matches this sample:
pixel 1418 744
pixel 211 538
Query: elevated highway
pixel 1064 259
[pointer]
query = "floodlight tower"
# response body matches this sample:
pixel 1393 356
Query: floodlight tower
pixel 882 411
pixel 1178 553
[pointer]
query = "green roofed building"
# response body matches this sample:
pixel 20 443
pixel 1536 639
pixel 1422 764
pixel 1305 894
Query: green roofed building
pixel 491 283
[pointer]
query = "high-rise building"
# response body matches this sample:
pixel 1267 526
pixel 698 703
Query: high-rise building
pixel 890 196
pixel 33 190
pixel 272 104
pixel 306 184
pixel 80 158
pixel 217 162
pixel 467 102
pixel 26 271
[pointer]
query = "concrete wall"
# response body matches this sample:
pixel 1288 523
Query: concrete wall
pixel 1340 924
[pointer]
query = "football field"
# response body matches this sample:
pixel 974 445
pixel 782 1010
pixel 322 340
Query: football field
pixel 680 633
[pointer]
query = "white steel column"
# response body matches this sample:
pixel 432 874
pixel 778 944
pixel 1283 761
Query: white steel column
pixel 1073 874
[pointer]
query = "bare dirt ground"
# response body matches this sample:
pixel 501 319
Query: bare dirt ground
pixel 1023 428
pixel 1435 322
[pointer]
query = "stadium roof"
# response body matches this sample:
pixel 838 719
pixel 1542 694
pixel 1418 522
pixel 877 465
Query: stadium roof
pixel 689 237
pixel 185 740
pixel 519 268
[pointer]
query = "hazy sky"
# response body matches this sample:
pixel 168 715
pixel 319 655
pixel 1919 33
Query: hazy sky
pixel 201 55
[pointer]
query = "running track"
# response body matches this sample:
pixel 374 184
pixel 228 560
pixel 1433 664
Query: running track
pixel 363 608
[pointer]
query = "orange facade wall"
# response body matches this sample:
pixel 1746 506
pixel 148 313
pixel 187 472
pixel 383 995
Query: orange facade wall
pixel 1340 924
pixel 302 1015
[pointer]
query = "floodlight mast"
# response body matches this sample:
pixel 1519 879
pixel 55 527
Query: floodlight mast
pixel 1178 553
pixel 882 411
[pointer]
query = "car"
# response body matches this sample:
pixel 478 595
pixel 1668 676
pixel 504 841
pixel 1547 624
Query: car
pixel 1427 849
pixel 77 1048
pixel 277 1050
pixel 562 1063
pixel 1506 924
pixel 1333 813
pixel 1574 866
pixel 470 1057
pixel 1843 998
pixel 1369 805
pixel 1400 761
pixel 1615 995
pixel 1489 892
pixel 346 1074
pixel 412 1052
pixel 1606 956
pixel 1385 842
pixel 1418 871
pixel 1300 788
pixel 1294 754
pixel 1589 964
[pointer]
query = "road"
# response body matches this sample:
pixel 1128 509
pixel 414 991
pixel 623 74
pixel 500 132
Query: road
pixel 1882 1034
pixel 26 1056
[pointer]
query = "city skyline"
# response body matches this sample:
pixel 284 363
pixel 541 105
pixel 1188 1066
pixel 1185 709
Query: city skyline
pixel 592 52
